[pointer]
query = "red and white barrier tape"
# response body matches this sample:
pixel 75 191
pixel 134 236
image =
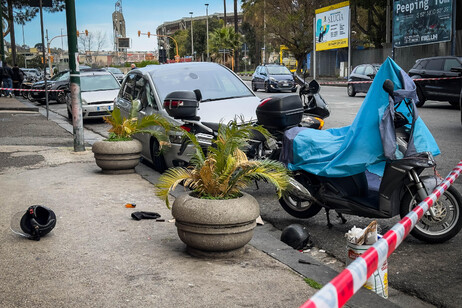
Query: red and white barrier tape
pixel 355 82
pixel 339 290
pixel 30 90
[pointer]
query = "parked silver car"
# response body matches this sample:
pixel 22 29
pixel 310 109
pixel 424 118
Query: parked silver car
pixel 224 96
pixel 98 89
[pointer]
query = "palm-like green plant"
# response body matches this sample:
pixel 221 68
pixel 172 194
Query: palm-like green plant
pixel 123 128
pixel 224 170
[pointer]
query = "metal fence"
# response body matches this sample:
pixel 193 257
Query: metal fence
pixel 328 62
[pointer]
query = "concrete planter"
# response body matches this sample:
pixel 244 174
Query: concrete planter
pixel 117 157
pixel 215 228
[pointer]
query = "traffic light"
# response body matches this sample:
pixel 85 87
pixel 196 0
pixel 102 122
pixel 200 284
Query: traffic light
pixel 86 32
pixel 149 34
pixel 51 59
pixel 41 59
pixel 139 33
pixel 162 56
pixel 78 33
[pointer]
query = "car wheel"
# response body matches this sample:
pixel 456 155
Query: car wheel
pixel 294 90
pixel 61 97
pixel 351 90
pixel 254 87
pixel 267 88
pixel 29 97
pixel 158 160
pixel 421 97
pixel 69 114
pixel 455 104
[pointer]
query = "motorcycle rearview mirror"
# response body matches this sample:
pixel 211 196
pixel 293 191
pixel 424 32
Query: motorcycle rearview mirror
pixel 313 86
pixel 198 95
pixel 388 86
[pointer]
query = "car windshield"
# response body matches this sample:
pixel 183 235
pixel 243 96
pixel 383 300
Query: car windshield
pixel 98 83
pixel 278 70
pixel 214 81
pixel 61 76
pixel 114 70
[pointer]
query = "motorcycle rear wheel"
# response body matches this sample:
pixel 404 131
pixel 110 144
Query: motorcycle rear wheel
pixel 446 224
pixel 299 208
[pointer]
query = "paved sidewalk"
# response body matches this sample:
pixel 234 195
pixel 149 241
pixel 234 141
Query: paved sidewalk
pixel 97 256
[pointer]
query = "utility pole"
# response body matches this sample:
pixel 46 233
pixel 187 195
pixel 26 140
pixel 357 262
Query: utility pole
pixel 76 101
pixel 207 29
pixel 236 30
pixel 2 51
pixel 192 37
pixel 43 57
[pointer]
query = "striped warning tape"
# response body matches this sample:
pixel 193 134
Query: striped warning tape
pixel 340 289
pixel 30 90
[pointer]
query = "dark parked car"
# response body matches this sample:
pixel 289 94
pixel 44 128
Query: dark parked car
pixel 438 90
pixel 273 77
pixel 363 72
pixel 59 81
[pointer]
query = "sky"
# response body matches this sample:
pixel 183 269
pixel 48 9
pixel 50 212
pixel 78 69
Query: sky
pixel 96 15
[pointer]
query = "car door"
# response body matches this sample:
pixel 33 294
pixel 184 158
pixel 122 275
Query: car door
pixel 451 87
pixel 356 76
pixel 369 74
pixel 127 94
pixel 433 69
pixel 258 78
pixel 144 93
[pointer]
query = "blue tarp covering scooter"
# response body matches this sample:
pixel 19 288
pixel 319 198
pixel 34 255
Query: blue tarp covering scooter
pixel 369 141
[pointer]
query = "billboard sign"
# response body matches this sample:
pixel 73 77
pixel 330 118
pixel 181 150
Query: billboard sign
pixel 332 26
pixel 123 42
pixel 418 22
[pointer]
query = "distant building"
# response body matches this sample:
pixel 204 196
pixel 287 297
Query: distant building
pixel 170 27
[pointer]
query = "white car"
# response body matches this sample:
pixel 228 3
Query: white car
pixel 224 97
pixel 98 90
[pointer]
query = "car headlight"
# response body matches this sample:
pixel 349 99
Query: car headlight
pixel 84 102
pixel 272 79
pixel 49 86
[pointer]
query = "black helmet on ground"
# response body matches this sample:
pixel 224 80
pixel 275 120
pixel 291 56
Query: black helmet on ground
pixel 296 236
pixel 38 221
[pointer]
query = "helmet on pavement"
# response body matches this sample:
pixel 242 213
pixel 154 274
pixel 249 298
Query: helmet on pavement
pixel 38 221
pixel 296 236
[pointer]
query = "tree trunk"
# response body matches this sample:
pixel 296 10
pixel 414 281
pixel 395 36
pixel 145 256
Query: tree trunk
pixel 236 52
pixel 12 38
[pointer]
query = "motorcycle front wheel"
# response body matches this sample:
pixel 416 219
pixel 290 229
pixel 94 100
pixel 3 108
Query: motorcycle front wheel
pixel 446 223
pixel 299 208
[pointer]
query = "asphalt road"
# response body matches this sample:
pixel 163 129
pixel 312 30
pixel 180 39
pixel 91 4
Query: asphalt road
pixel 431 272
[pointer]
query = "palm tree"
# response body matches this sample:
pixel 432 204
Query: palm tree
pixel 224 170
pixel 224 38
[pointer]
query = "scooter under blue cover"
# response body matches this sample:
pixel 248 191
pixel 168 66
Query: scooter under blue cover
pixel 364 145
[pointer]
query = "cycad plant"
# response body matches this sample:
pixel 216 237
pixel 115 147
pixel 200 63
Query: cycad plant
pixel 224 170
pixel 123 128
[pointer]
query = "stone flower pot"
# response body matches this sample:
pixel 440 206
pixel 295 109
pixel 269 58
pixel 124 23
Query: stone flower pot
pixel 117 157
pixel 215 228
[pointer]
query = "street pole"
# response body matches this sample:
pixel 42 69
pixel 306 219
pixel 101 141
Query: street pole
pixel 76 102
pixel 49 56
pixel 2 46
pixel 192 40
pixel 207 27
pixel 44 59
